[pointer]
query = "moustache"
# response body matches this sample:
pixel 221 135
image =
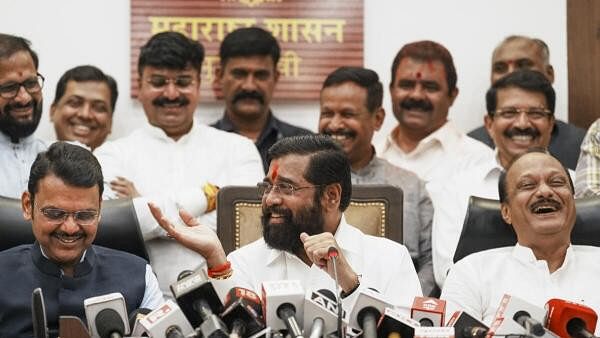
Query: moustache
pixel 249 95
pixel 522 132
pixel 340 132
pixel 162 101
pixel 413 104
pixel 9 107
pixel 547 201
pixel 284 212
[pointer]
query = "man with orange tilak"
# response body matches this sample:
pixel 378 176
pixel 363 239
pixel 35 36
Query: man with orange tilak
pixel 304 195
pixel 425 141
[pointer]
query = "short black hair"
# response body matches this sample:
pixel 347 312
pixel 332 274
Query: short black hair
pixel 503 189
pixel 10 44
pixel 171 50
pixel 73 164
pixel 526 79
pixel 249 41
pixel 427 51
pixel 87 73
pixel 328 163
pixel 363 77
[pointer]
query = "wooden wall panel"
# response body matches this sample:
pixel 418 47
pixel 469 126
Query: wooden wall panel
pixel 583 48
pixel 316 36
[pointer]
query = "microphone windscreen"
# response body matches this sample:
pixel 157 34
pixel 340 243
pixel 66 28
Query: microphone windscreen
pixel 108 322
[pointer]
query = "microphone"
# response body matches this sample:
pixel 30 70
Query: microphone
pixel 568 319
pixel 516 316
pixel 367 309
pixel 38 314
pixel 134 321
pixel 428 311
pixel 165 321
pixel 333 253
pixel 395 324
pixel 199 301
pixel 243 312
pixel 106 315
pixel 283 301
pixel 109 324
pixel 322 307
pixel 466 326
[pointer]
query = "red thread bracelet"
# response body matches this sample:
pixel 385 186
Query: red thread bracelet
pixel 218 269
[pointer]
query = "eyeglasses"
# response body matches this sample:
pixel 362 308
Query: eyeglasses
pixel 533 114
pixel 264 188
pixel 58 216
pixel 183 83
pixel 32 86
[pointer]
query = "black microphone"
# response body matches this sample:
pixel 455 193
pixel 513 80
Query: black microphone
pixel 109 324
pixel 199 301
pixel 243 312
pixel 38 314
pixel 114 316
pixel 531 325
pixel 367 309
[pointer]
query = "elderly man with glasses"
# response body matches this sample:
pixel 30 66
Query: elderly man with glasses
pixel 174 160
pixel 304 196
pixel 520 116
pixel 20 113
pixel 62 202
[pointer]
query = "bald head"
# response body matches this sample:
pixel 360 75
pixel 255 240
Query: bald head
pixel 521 52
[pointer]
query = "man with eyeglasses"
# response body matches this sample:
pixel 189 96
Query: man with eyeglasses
pixel 174 160
pixel 520 116
pixel 63 202
pixel 304 196
pixel 20 113
pixel 518 52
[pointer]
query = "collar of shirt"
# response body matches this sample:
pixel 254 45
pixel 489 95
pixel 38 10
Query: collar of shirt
pixel 22 142
pixel 160 134
pixel 525 255
pixel 446 136
pixel 344 236
pixel 370 168
pixel 272 126
pixel 46 265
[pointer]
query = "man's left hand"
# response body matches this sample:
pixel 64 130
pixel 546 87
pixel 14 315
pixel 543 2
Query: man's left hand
pixel 317 250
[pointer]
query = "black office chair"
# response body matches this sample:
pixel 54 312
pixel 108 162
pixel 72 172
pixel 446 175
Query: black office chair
pixel 118 228
pixel 485 229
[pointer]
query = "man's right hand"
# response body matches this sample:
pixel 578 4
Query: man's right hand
pixel 193 236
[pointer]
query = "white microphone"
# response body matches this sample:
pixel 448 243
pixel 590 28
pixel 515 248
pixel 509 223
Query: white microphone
pixel 395 324
pixel 467 326
pixel 319 305
pixel 516 316
pixel 428 311
pixel 106 314
pixel 283 305
pixel 166 321
pixel 369 306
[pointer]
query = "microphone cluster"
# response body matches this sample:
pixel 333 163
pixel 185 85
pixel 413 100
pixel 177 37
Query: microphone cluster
pixel 286 308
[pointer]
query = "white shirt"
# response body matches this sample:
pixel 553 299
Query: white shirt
pixel 383 264
pixel 477 283
pixel 438 155
pixel 15 163
pixel 171 174
pixel 450 202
